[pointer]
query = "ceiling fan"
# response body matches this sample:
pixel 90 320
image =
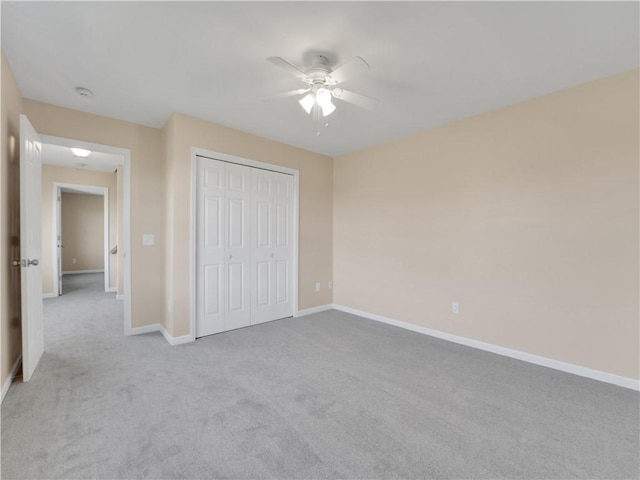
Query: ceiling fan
pixel 321 83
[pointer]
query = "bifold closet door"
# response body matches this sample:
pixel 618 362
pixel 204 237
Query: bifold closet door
pixel 272 241
pixel 223 249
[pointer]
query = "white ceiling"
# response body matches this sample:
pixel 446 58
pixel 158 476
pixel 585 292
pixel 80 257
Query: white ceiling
pixel 61 156
pixel 431 62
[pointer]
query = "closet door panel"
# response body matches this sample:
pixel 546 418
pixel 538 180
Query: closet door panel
pixel 283 245
pixel 262 246
pixel 210 259
pixel 237 246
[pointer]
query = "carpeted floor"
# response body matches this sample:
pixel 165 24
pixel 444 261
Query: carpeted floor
pixel 329 395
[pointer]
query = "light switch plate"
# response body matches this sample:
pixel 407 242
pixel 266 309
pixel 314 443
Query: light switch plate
pixel 148 239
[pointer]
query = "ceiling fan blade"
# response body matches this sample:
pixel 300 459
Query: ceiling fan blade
pixel 357 99
pixel 346 70
pixel 282 63
pixel 290 93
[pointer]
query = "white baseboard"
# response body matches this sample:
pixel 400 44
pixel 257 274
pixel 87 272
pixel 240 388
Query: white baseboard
pixel 157 327
pixel 310 311
pixel 12 375
pixel 507 352
pixel 154 327
pixel 120 297
pixel 49 295
pixel 111 289
pixel 76 272
pixel 175 340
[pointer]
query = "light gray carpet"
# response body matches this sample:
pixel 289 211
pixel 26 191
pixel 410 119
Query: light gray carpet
pixel 324 396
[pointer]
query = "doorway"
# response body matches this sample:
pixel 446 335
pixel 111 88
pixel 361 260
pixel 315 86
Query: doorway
pixel 115 197
pixel 84 234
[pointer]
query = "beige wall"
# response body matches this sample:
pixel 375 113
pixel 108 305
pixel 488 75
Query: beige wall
pixel 10 108
pixel 147 198
pixel 315 227
pixel 82 232
pixel 77 176
pixel 527 216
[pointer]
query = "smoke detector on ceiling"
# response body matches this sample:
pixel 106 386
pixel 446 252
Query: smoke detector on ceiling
pixel 84 92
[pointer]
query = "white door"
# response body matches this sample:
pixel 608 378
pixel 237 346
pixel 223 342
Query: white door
pixel 244 246
pixel 272 238
pixel 210 298
pixel 223 250
pixel 237 246
pixel 31 276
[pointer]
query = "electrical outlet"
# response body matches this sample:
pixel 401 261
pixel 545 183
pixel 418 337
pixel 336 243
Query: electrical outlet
pixel 148 239
pixel 455 307
pixel 329 284
pixel 317 286
pixel 73 260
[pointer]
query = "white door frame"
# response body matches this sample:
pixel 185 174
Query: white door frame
pixel 92 190
pixel 225 157
pixel 124 237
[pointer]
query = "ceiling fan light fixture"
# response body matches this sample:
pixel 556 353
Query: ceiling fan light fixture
pixel 80 152
pixel 323 99
pixel 328 109
pixel 307 102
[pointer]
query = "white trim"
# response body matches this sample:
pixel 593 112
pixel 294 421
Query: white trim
pixel 49 295
pixel 12 375
pixel 507 352
pixel 121 297
pixel 192 251
pixel 311 311
pixel 125 153
pixel 157 327
pixel 173 341
pixel 154 327
pixel 77 272
pixel 112 289
pixel 195 153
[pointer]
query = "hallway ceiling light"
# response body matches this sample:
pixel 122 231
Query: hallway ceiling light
pixel 80 152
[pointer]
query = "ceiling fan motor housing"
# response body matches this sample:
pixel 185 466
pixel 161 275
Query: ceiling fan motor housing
pixel 318 70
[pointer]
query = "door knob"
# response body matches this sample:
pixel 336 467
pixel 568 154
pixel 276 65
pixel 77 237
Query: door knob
pixel 33 262
pixel 16 263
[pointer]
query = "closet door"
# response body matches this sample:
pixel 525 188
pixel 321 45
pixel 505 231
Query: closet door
pixel 237 246
pixel 271 246
pixel 244 246
pixel 283 245
pixel 210 248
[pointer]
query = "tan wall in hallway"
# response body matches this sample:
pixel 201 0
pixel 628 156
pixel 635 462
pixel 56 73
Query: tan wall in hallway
pixel 315 224
pixel 528 216
pixel 82 232
pixel 51 175
pixel 10 108
pixel 147 197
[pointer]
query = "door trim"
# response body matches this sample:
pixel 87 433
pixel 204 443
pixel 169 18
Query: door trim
pixel 88 189
pixel 125 238
pixel 225 157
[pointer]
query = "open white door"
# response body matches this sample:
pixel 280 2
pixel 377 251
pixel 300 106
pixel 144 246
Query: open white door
pixel 30 213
